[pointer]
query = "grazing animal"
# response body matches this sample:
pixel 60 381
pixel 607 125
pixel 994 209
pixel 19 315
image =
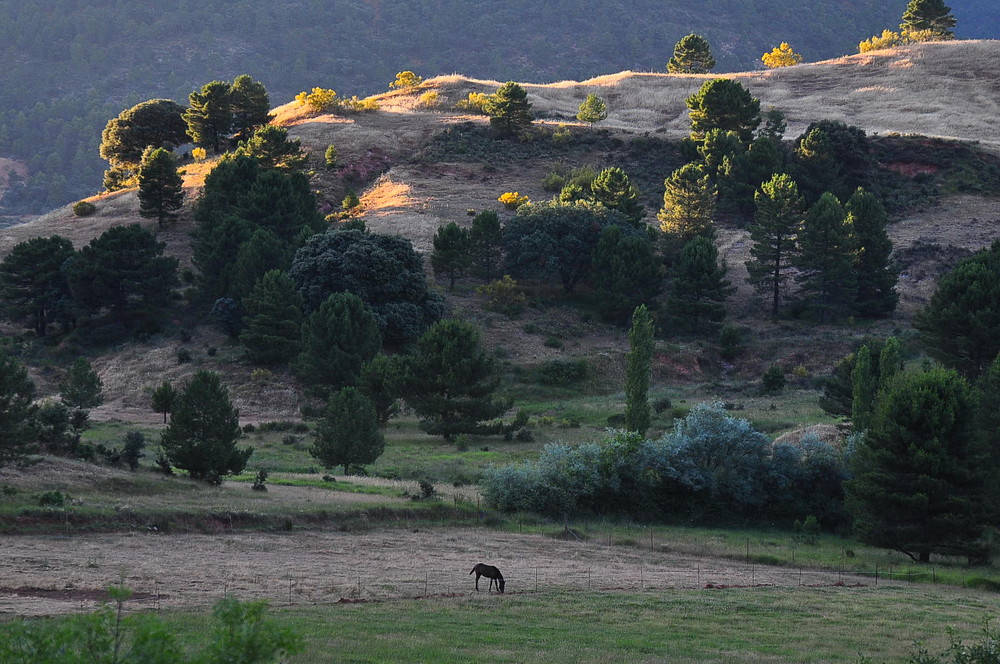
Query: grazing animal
pixel 491 573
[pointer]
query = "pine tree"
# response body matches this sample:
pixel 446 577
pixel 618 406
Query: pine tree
pixel 250 106
pixel 508 109
pixel 203 430
pixel 638 364
pixel 486 239
pixel 270 146
pixel 825 258
pixel 273 320
pixel 592 109
pixel 81 387
pixel 723 104
pixel 163 399
pixel 932 16
pixel 450 382
pixel 688 204
pixel 157 123
pixel 613 189
pixel 380 382
pixel 17 409
pixel 452 252
pixel 33 286
pixel 348 432
pixel 692 55
pixel 337 340
pixel 262 252
pixel 699 288
pixel 773 233
pixel 876 276
pixel 209 116
pixel 959 325
pixel 161 189
pixel 922 477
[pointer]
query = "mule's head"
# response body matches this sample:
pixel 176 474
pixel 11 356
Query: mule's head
pixel 501 583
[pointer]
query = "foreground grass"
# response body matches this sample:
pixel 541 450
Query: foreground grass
pixel 736 625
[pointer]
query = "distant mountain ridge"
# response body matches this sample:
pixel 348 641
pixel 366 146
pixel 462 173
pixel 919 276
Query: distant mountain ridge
pixel 70 65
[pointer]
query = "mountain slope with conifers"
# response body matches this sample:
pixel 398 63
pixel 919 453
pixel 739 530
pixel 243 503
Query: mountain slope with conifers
pixel 432 178
pixel 70 66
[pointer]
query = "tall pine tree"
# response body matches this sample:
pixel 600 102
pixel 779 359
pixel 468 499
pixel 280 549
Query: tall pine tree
pixel 688 205
pixel 273 320
pixel 699 289
pixel 452 252
pixel 875 274
pixel 825 259
pixel 773 234
pixel 209 116
pixel 692 55
pixel 928 16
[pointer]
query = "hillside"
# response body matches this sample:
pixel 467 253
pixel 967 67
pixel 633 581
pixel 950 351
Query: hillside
pixel 884 92
pixel 69 66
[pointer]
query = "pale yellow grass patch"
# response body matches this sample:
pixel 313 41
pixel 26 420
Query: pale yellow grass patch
pixel 387 194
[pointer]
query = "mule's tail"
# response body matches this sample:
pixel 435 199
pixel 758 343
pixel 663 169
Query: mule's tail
pixel 474 569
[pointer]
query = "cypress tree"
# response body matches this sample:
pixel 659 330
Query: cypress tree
pixel 773 233
pixel 638 364
pixel 161 189
pixel 348 432
pixel 450 382
pixel 889 363
pixel 337 340
pixel 273 320
pixel 452 252
pixel 876 276
pixel 692 55
pixel 699 288
pixel 865 389
pixel 825 258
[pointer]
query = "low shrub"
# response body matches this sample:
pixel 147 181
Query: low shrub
pixel 84 208
pixel 561 373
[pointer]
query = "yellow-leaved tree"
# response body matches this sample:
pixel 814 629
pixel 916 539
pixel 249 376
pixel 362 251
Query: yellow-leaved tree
pixel 781 56
pixel 406 79
pixel 888 39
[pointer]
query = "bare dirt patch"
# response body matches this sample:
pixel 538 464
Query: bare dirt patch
pixel 322 568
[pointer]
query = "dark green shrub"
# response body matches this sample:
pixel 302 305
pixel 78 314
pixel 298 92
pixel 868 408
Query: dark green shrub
pixel 554 182
pixel 661 404
pixel 259 480
pixel 84 208
pixel 730 342
pixel 553 342
pixel 183 355
pixel 774 380
pixel 54 498
pixel 561 372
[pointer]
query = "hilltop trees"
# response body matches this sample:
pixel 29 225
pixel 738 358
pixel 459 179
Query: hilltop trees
pixel 161 191
pixel 692 55
pixel 932 17
pixel 203 430
pixel 249 105
pixel 209 116
pixel 508 109
pixel 723 104
pixel 33 287
pixel 781 56
pixel 773 233
pixel 156 123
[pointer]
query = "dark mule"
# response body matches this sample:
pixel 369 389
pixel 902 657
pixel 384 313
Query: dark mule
pixel 491 573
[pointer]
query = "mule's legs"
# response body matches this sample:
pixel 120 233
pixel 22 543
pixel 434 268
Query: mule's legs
pixel 477 581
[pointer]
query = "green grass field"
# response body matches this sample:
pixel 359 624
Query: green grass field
pixel 736 625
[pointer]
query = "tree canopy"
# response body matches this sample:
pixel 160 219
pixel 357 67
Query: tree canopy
pixel 156 123
pixel 692 55
pixel 384 271
pixel 592 109
pixel 509 109
pixel 724 104
pixel 161 192
pixel 773 234
pixel 17 408
pixel 348 432
pixel 931 16
pixel 33 287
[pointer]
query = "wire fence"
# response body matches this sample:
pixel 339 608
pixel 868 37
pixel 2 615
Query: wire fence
pixel 290 589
